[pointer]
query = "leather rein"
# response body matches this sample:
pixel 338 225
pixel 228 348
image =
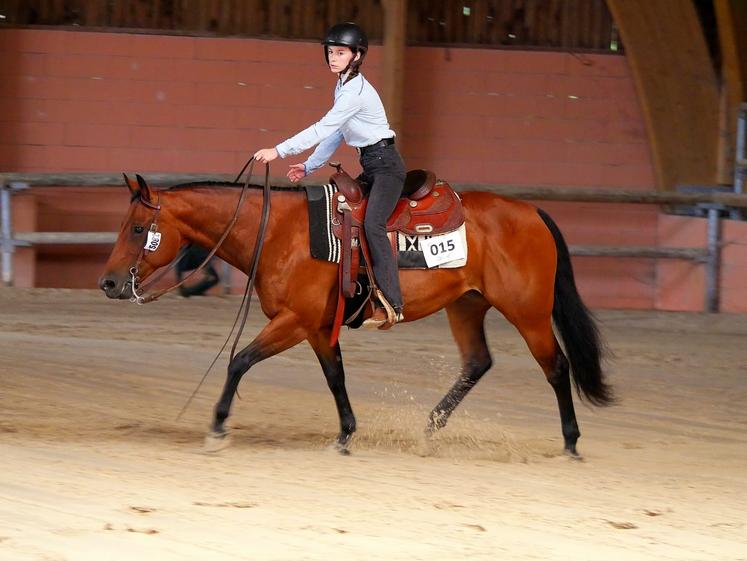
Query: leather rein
pixel 143 298
pixel 243 311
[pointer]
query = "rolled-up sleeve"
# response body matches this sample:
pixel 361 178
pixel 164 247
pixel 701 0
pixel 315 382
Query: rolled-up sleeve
pixel 346 105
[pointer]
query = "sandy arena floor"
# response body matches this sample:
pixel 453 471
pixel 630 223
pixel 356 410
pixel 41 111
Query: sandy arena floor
pixel 95 467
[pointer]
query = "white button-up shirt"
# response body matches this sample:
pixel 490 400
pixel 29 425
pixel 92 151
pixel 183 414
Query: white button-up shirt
pixel 357 116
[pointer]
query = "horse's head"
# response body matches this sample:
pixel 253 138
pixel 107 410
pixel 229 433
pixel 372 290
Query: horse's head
pixel 146 224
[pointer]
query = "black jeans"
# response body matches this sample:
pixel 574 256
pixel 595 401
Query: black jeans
pixel 384 171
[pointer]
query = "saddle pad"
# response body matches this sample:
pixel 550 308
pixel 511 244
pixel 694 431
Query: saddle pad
pixel 326 247
pixel 324 244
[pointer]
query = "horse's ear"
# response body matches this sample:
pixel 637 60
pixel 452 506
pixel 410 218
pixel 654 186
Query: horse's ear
pixel 144 189
pixel 131 185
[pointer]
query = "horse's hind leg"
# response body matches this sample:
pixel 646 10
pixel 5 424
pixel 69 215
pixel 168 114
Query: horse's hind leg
pixel 544 347
pixel 330 359
pixel 283 332
pixel 466 319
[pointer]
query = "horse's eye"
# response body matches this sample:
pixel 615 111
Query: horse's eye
pixel 138 229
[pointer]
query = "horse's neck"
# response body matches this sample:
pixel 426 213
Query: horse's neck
pixel 204 215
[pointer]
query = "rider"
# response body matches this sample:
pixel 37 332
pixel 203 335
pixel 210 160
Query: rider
pixel 358 117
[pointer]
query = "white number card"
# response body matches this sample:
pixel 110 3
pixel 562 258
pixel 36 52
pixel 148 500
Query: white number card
pixel 153 241
pixel 442 249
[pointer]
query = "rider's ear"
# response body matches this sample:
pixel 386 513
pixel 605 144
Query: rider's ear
pixel 144 189
pixel 131 185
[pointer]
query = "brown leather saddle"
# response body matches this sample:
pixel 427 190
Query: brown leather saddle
pixel 427 207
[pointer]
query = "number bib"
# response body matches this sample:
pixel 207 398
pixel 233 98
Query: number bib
pixel 441 249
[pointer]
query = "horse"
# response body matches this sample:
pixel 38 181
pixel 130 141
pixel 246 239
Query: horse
pixel 518 263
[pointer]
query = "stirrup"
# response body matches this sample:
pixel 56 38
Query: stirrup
pixel 398 317
pixel 391 315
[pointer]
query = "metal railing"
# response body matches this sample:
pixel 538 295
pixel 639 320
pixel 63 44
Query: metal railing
pixel 714 205
pixel 740 159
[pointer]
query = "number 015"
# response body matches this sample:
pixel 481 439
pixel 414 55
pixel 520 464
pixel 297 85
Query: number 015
pixel 442 247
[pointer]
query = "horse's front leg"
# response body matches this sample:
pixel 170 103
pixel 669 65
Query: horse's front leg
pixel 283 332
pixel 330 359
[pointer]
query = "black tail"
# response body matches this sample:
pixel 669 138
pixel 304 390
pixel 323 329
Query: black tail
pixel 574 321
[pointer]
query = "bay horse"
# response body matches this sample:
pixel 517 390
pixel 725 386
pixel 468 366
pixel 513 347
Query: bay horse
pixel 518 263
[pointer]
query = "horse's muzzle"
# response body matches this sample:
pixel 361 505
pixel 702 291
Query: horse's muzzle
pixel 116 288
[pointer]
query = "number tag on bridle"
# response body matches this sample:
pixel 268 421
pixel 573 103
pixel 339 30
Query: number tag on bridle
pixel 153 241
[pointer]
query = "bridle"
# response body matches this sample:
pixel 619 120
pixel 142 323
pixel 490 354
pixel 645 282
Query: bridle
pixel 139 298
pixel 142 298
pixel 247 298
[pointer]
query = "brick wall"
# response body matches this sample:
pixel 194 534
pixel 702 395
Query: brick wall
pixel 97 102
pixel 76 101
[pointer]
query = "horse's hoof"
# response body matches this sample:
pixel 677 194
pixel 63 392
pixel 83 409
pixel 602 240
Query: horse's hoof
pixel 338 448
pixel 426 447
pixel 432 427
pixel 342 445
pixel 215 442
pixel 573 454
pixel 436 421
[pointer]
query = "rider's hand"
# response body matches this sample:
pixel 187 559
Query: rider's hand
pixel 266 155
pixel 296 172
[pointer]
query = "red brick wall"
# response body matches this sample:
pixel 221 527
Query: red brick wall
pixel 75 101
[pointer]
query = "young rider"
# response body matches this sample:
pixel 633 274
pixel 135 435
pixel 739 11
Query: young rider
pixel 358 118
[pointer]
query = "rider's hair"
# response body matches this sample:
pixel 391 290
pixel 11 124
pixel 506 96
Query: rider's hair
pixel 353 67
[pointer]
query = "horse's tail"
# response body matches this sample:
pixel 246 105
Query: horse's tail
pixel 577 328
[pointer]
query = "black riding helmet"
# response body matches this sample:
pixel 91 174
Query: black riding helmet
pixel 346 35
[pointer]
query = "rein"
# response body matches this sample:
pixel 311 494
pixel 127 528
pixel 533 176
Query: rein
pixel 246 300
pixel 144 299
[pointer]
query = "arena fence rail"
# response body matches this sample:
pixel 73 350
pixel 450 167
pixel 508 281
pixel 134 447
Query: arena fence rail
pixel 711 203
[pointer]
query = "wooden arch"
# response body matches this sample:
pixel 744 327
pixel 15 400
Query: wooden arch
pixel 689 105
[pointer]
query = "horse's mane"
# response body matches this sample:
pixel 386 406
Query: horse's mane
pixel 229 185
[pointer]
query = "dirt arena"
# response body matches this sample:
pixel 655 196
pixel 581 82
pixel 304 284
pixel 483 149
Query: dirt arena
pixel 95 466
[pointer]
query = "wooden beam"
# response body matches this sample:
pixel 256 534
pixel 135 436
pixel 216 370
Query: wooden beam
pixel 395 28
pixel 72 238
pixel 731 16
pixel 606 195
pixel 525 192
pixel 692 254
pixel 677 87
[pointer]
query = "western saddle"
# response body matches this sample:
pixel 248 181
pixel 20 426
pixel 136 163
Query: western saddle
pixel 427 207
